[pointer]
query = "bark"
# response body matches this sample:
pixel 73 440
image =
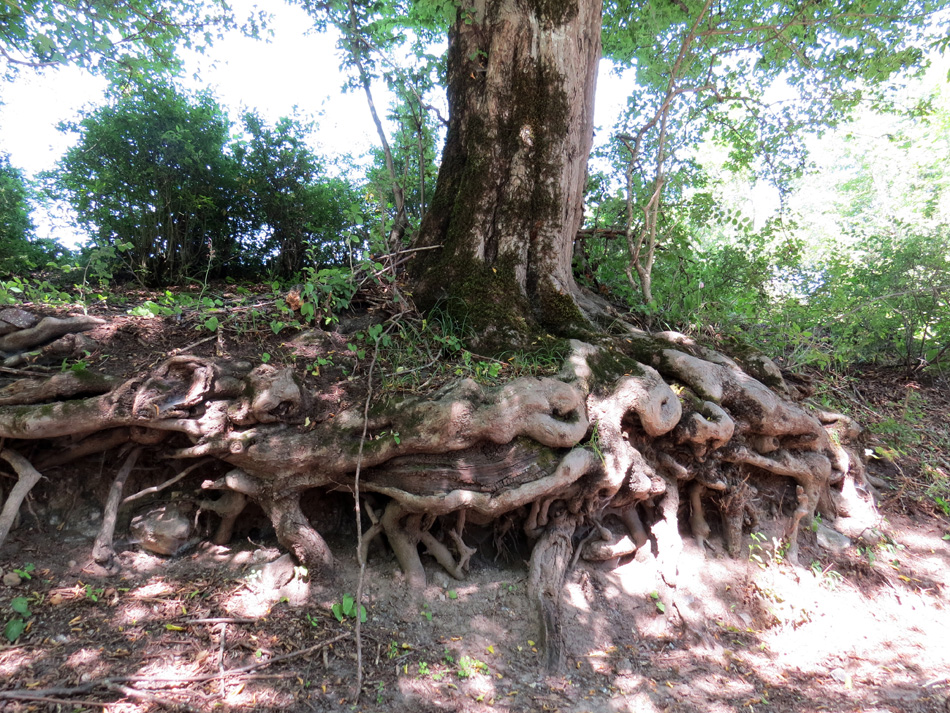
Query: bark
pixel 508 201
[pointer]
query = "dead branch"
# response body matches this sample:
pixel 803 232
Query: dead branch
pixel 167 484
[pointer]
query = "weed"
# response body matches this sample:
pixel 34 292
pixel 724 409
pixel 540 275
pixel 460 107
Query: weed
pixel 18 623
pixel 346 609
pixel 24 571
pixel 426 611
pixel 94 594
pixel 830 579
pixel 468 667
pixel 764 553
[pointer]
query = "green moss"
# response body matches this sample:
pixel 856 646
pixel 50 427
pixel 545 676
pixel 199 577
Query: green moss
pixel 609 364
pixel 555 12
pixel 504 301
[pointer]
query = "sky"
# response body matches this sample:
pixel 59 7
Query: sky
pixel 296 70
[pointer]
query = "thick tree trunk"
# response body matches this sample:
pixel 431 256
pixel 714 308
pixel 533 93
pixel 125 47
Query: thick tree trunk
pixel 509 197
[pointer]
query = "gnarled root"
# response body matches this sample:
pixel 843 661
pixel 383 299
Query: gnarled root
pixel 295 532
pixel 550 559
pixel 405 530
pixel 669 544
pixel 465 552
pixel 28 476
pixel 736 508
pixel 228 507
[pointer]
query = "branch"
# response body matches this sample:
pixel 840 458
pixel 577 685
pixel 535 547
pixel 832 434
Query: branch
pixel 166 484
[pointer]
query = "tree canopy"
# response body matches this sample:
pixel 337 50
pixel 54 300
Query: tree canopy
pixel 133 36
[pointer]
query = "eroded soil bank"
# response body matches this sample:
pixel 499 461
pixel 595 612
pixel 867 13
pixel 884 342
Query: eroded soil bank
pixel 860 626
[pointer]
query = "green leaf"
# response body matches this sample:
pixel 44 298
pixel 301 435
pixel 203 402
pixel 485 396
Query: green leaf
pixel 21 606
pixel 349 605
pixel 13 629
pixel 211 324
pixel 337 611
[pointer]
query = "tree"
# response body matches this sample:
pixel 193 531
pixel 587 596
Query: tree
pixel 758 78
pixel 130 35
pixel 20 249
pixel 300 210
pixel 16 227
pixel 508 201
pixel 151 176
pixel 587 455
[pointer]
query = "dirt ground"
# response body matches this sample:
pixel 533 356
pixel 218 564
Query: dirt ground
pixel 864 629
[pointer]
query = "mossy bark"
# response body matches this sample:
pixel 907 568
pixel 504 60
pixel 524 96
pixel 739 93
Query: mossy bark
pixel 508 201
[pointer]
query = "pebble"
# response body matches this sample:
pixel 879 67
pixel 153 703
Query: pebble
pixel 11 579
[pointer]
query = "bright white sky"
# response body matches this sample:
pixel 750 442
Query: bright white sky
pixel 294 70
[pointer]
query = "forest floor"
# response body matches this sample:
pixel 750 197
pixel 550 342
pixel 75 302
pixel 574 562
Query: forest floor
pixel 865 628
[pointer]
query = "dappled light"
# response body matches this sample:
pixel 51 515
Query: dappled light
pixel 519 411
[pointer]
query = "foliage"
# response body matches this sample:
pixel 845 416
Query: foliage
pixel 347 609
pixel 131 36
pixel 20 250
pixel 167 195
pixel 756 77
pixel 296 214
pixel 150 170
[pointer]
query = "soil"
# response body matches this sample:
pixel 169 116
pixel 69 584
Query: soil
pixel 236 628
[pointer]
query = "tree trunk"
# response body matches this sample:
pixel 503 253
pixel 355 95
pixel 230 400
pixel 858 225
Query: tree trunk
pixel 509 196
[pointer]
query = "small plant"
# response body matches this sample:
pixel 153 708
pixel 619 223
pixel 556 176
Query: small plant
pixel 423 669
pixel 18 624
pixel 468 667
pixel 346 609
pixel 426 611
pixel 867 551
pixel 24 571
pixel 762 554
pixel 660 606
pixel 94 594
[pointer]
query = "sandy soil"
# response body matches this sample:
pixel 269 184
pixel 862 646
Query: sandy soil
pixel 848 632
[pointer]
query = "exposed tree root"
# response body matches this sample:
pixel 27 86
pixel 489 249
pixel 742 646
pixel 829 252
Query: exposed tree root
pixel 549 563
pixel 629 427
pixel 48 329
pixel 102 550
pixel 27 477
